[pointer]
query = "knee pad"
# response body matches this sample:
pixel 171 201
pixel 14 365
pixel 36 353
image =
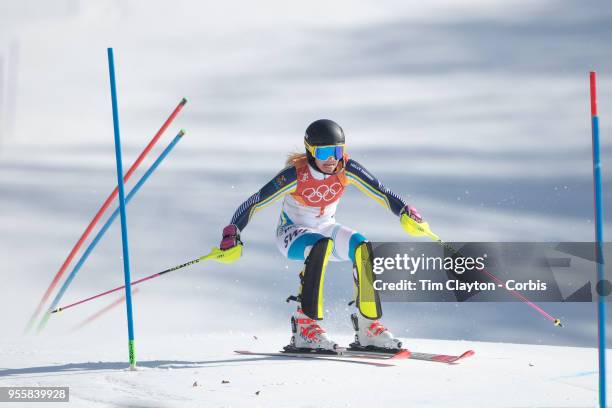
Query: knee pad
pixel 366 297
pixel 312 278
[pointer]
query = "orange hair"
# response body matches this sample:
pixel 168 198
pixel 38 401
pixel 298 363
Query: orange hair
pixel 293 157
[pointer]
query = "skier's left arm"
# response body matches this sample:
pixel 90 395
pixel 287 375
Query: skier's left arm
pixel 371 187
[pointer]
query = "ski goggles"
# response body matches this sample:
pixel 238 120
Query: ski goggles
pixel 325 152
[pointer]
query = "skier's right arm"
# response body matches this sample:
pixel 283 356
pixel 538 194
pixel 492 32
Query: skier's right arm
pixel 283 183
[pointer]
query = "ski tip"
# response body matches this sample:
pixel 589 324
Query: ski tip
pixel 183 101
pixel 467 354
pixel 182 132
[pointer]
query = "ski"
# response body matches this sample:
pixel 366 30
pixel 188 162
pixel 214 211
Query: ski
pixel 377 354
pixel 441 358
pixel 337 357
pixel 438 358
pixel 349 356
pixel 355 348
pixel 405 354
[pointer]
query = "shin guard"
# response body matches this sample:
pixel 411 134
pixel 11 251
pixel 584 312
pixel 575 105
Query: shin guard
pixel 312 278
pixel 366 297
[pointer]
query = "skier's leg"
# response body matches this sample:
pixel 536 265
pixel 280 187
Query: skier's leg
pixel 312 278
pixel 351 245
pixel 345 241
pixel 366 299
pixel 295 241
pixel 307 333
pixel 302 243
pixel 369 332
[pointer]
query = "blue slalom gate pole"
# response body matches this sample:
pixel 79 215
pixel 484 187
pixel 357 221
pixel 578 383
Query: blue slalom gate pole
pixel 105 227
pixel 601 276
pixel 124 232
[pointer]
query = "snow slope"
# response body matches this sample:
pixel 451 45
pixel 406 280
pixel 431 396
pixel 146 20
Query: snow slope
pixel 476 112
pixel 499 375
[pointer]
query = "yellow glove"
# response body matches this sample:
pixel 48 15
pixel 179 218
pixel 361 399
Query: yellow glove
pixel 417 229
pixel 224 256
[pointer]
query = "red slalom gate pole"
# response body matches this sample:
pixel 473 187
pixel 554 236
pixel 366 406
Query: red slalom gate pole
pixel 101 211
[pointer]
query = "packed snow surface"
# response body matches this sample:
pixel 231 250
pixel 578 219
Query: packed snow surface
pixel 201 370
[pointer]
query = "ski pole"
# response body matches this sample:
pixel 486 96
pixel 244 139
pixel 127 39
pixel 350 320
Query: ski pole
pixel 105 227
pixel 227 256
pixel 422 229
pixel 101 312
pixel 101 211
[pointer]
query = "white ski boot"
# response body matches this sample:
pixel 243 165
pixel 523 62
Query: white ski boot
pixel 308 335
pixel 371 335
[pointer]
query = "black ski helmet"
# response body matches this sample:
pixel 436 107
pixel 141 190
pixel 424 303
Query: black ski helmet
pixel 324 132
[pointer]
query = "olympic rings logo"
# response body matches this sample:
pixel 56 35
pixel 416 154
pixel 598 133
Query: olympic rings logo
pixel 322 193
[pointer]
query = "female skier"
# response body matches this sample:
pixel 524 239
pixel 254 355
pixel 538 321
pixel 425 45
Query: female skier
pixel 312 184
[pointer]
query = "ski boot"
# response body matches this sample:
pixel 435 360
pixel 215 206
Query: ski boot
pixel 370 335
pixel 308 336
